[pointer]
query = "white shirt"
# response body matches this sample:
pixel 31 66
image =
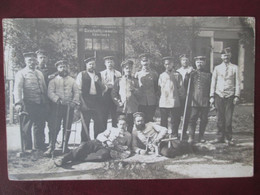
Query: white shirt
pixel 184 71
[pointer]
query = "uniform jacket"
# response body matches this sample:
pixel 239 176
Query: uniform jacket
pixel 171 89
pixel 30 86
pixel 225 81
pixel 199 88
pixel 47 71
pixel 88 101
pixel 105 81
pixel 148 86
pixel 151 133
pixel 126 91
pixel 64 88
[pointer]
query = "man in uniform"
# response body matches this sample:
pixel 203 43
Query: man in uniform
pixel 148 86
pixel 47 71
pixel 184 70
pixel 30 94
pixel 224 92
pixel 113 142
pixel 199 94
pixel 63 92
pixel 171 88
pixel 108 78
pixel 125 93
pixel 91 89
pixel 146 136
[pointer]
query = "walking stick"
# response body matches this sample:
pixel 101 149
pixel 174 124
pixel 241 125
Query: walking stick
pixel 64 140
pixel 20 114
pixel 185 108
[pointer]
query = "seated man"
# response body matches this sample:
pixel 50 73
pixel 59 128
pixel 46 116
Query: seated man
pixel 114 142
pixel 146 137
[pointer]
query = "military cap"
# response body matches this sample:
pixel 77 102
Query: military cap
pixel 109 58
pixel 89 59
pixel 121 117
pixel 226 51
pixel 29 54
pixel 60 62
pixel 138 114
pixel 167 58
pixel 200 58
pixel 127 62
pixel 41 51
pixel 144 56
pixel 183 56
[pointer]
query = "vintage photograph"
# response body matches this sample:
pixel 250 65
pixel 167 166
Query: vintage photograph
pixel 129 98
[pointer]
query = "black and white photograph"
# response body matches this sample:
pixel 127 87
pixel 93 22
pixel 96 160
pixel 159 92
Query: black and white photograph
pixel 129 97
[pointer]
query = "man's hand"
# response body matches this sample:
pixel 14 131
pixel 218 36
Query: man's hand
pixel 73 104
pixel 236 100
pixel 121 104
pixel 109 144
pixel 142 152
pixel 18 107
pixel 109 86
pixel 211 101
pixel 58 101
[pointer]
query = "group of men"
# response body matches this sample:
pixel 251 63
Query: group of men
pixel 130 100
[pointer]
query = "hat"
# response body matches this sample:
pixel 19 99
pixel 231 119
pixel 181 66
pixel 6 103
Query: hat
pixel 29 54
pixel 60 62
pixel 167 58
pixel 127 62
pixel 184 56
pixel 89 59
pixel 41 51
pixel 138 114
pixel 109 58
pixel 144 56
pixel 226 51
pixel 121 117
pixel 200 58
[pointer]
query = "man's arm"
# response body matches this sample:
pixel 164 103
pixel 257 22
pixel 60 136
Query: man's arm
pixel 103 137
pixel 137 146
pixel 213 83
pixel 51 91
pixel 115 94
pixel 237 84
pixel 18 88
pixel 79 82
pixel 162 131
pixel 76 92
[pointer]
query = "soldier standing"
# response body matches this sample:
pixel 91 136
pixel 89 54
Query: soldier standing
pixel 30 94
pixel 171 88
pixel 125 93
pixel 148 86
pixel 91 89
pixel 184 70
pixel 108 77
pixel 199 93
pixel 224 92
pixel 63 92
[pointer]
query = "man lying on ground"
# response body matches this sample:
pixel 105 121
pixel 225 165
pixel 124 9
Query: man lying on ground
pixel 113 142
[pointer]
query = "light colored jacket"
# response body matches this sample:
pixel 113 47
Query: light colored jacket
pixel 64 88
pixel 225 81
pixel 30 86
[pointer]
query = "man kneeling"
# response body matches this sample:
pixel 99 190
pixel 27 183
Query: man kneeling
pixel 113 142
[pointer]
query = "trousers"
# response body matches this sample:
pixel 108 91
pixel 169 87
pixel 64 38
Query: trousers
pixel 225 109
pixel 198 112
pixel 175 115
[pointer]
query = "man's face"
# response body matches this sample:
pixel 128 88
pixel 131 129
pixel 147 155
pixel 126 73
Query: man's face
pixel 121 125
pixel 90 66
pixel 31 62
pixel 42 59
pixel 200 64
pixel 225 58
pixel 168 65
pixel 109 64
pixel 139 123
pixel 62 70
pixel 184 62
pixel 145 62
pixel 127 70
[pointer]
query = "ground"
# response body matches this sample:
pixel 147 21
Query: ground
pixel 203 161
